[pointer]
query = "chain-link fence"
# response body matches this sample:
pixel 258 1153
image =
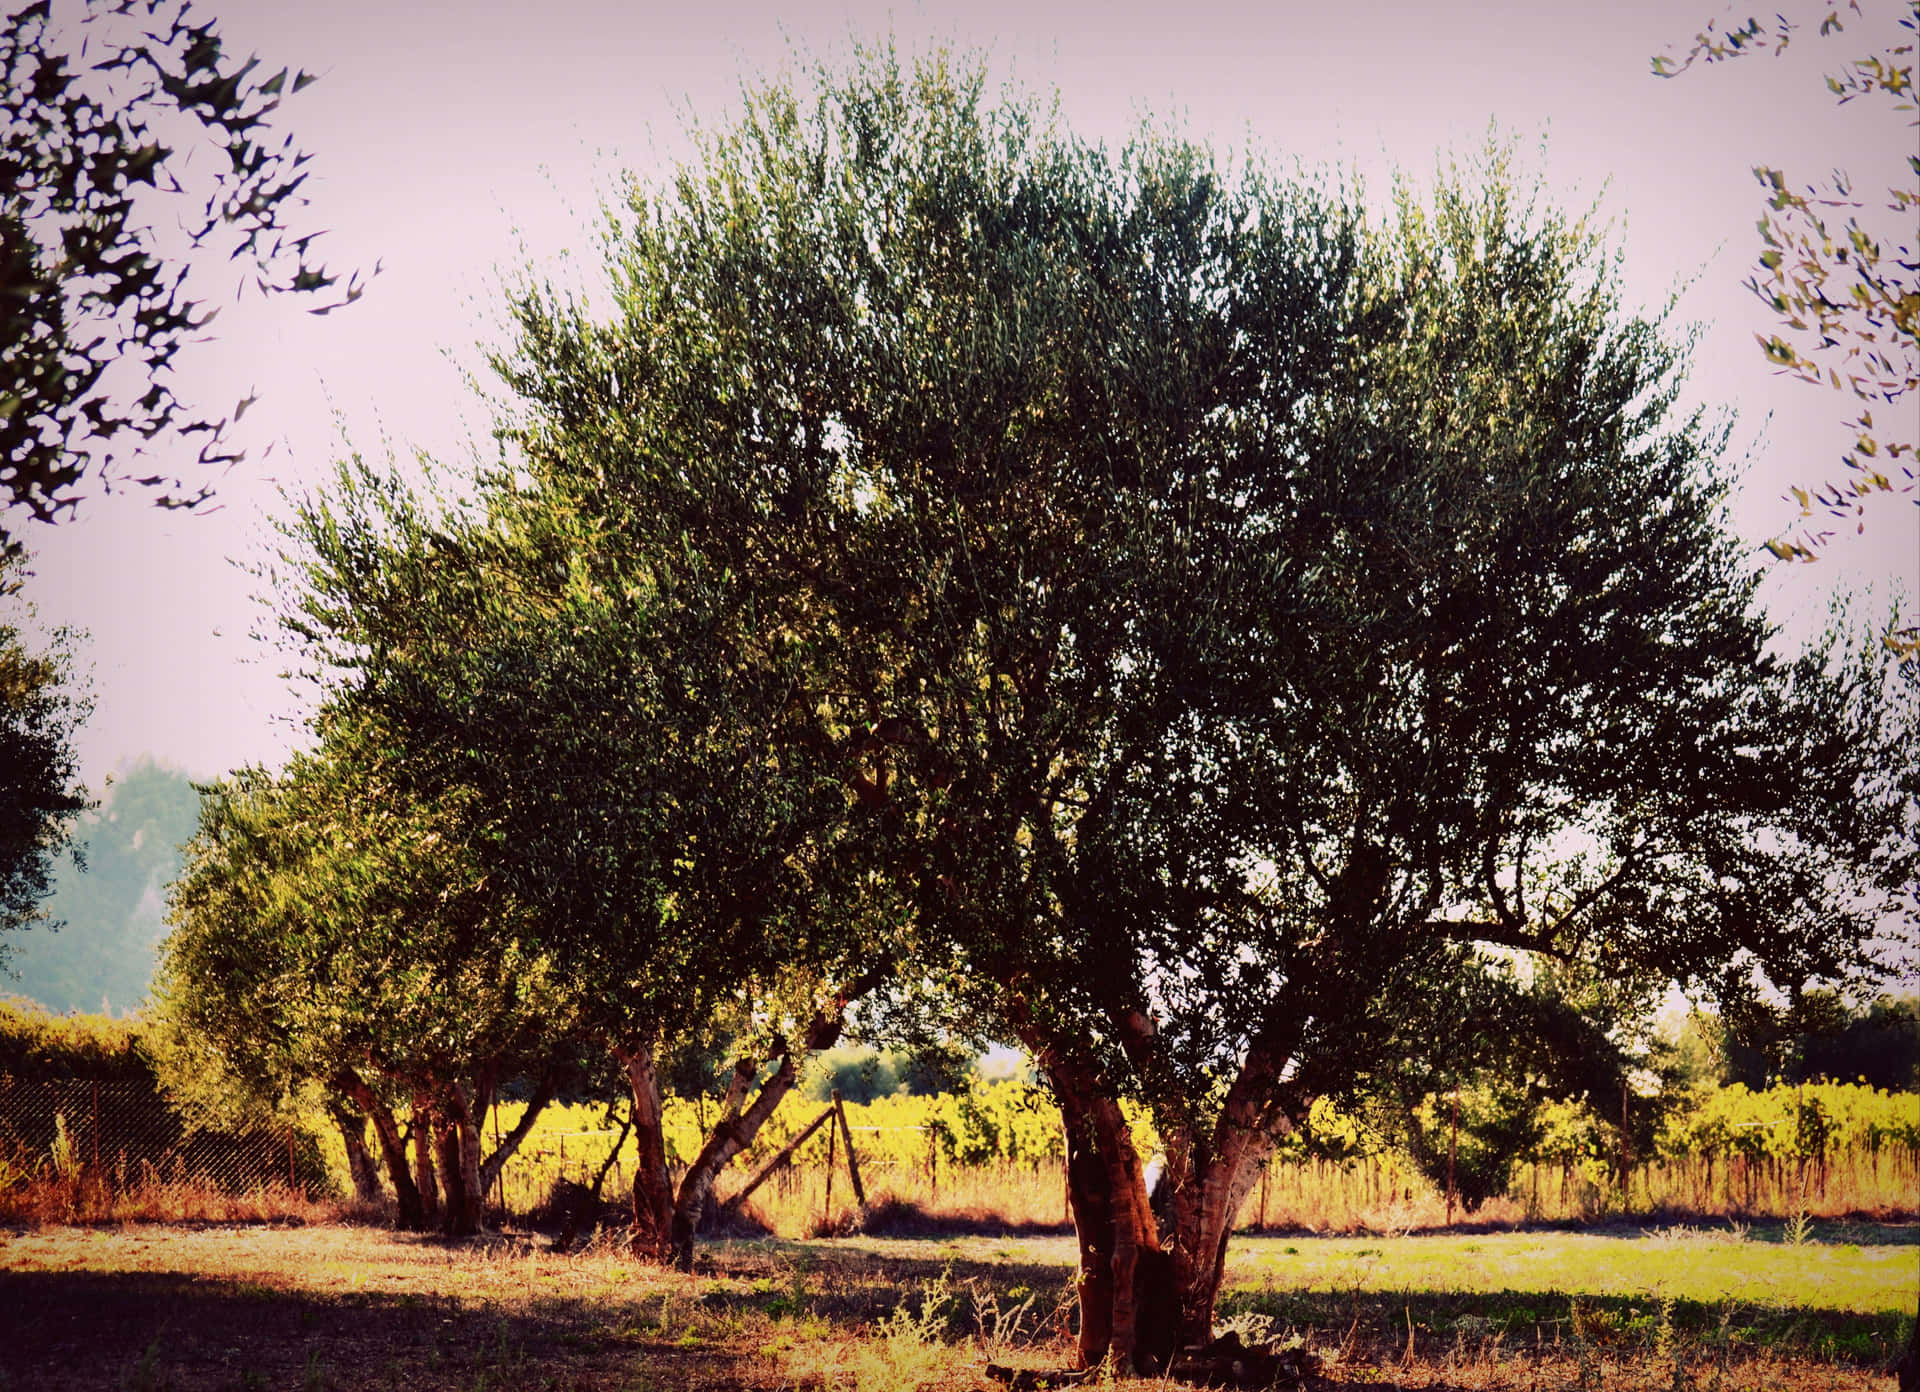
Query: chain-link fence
pixel 122 1134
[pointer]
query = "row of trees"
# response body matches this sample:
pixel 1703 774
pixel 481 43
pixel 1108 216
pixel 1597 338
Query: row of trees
pixel 1245 649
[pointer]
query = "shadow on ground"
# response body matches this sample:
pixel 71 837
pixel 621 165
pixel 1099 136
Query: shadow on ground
pixel 96 1330
pixel 719 1330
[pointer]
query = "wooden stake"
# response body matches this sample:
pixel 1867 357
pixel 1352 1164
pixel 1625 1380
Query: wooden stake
pixel 1453 1149
pixel 826 1206
pixel 853 1161
pixel 499 1175
pixel 786 1154
pixel 1626 1172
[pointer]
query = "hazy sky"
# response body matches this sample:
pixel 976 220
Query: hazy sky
pixel 456 144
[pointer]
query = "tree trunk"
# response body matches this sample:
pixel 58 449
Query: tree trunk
pixel 1128 1313
pixel 1206 1199
pixel 736 1128
pixel 1140 1301
pixel 450 1158
pixel 731 1134
pixel 1093 1228
pixel 353 1135
pixel 510 1143
pixel 421 1125
pixel 652 1186
pixel 410 1214
pixel 1212 1171
pixel 459 1135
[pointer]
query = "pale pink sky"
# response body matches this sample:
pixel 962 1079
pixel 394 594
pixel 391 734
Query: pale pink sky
pixel 447 139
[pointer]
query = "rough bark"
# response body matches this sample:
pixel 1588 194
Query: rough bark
pixel 421 1125
pixel 1211 1171
pixel 410 1213
pixel 1207 1198
pixel 1093 1229
pixel 737 1126
pixel 360 1167
pixel 1143 1292
pixel 460 1158
pixel 1128 1315
pixel 652 1186
pixel 458 1207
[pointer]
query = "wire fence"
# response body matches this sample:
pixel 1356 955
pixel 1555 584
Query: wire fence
pixel 122 1134
pixel 119 1137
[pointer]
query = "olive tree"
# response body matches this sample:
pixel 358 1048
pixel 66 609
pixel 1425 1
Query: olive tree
pixel 331 932
pixel 610 727
pixel 1248 615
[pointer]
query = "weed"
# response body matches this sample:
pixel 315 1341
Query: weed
pixel 1250 1326
pixel 904 1352
pixel 1663 1328
pixel 1798 1231
pixel 1586 1366
pixel 999 1324
pixel 147 1374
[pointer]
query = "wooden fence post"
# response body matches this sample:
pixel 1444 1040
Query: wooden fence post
pixel 786 1153
pixel 853 1161
pixel 499 1175
pixel 1453 1147
pixel 826 1207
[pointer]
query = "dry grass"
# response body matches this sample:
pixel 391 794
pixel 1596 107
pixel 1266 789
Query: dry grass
pixel 348 1307
pixel 796 1203
pixel 85 1196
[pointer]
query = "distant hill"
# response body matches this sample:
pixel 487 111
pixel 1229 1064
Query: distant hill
pixel 101 956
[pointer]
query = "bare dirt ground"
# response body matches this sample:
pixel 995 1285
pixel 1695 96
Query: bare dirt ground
pixel 346 1307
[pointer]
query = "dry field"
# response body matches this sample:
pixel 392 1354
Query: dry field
pixel 339 1306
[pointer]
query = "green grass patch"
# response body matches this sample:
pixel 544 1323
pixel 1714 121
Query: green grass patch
pixel 1703 1266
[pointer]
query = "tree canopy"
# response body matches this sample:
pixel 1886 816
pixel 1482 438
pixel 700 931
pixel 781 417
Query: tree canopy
pixel 96 302
pixel 1250 612
pixel 41 705
pixel 598 722
pixel 1848 300
pixel 1214 634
